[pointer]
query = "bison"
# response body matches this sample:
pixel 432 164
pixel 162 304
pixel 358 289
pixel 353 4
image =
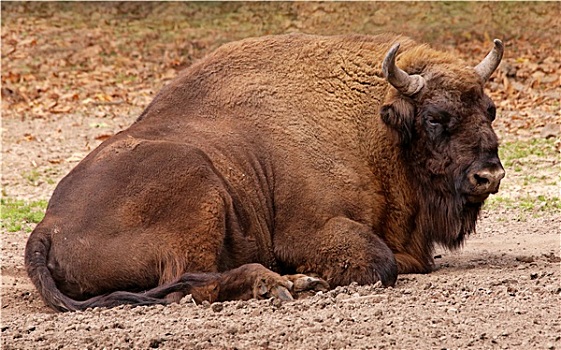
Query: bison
pixel 273 166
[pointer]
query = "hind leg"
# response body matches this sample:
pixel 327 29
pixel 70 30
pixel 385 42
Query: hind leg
pixel 134 227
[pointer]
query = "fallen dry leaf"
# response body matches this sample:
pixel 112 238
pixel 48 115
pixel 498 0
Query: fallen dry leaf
pixel 103 137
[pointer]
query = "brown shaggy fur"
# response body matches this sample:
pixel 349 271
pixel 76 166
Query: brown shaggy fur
pixel 289 151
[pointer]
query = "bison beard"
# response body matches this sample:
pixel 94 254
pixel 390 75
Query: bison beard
pixel 273 167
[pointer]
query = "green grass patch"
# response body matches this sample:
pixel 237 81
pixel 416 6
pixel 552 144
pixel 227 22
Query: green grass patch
pixel 538 203
pixel 31 176
pixel 515 153
pixel 16 214
pixel 36 178
pixel 532 179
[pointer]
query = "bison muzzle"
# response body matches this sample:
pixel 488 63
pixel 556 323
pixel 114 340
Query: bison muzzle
pixel 272 167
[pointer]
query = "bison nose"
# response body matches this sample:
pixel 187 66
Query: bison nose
pixel 487 180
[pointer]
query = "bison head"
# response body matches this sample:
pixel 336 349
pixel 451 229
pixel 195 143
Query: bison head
pixel 442 120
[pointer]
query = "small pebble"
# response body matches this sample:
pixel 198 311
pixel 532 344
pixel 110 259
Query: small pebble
pixel 525 259
pixel 217 307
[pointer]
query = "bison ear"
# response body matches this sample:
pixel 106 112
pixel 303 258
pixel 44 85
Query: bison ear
pixel 400 116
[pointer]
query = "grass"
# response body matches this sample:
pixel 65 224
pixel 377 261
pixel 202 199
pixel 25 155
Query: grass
pixel 532 179
pixel 537 203
pixel 432 21
pixel 17 214
pixel 532 168
pixel 513 153
pixel 36 178
pixel 31 176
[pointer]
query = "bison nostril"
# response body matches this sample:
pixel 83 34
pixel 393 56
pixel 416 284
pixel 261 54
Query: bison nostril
pixel 487 180
pixel 481 180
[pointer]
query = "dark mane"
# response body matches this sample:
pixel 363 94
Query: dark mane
pixel 446 219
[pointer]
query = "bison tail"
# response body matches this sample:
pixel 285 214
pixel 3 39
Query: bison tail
pixel 36 255
pixel 157 295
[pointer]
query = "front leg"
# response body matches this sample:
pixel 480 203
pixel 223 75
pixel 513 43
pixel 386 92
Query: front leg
pixel 406 263
pixel 242 283
pixel 341 252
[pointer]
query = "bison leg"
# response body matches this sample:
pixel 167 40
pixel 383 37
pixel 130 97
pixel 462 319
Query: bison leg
pixel 242 283
pixel 407 263
pixel 304 285
pixel 341 252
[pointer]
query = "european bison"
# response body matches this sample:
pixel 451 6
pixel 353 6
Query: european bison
pixel 292 154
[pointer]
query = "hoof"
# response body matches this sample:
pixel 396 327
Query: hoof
pixel 304 286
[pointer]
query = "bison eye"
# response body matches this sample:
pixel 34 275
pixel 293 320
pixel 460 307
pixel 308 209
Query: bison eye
pixel 440 118
pixel 492 112
pixel 434 121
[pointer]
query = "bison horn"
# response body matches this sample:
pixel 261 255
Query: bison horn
pixel 401 80
pixel 491 61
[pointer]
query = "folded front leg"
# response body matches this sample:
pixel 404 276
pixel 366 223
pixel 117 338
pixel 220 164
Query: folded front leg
pixel 341 252
pixel 242 283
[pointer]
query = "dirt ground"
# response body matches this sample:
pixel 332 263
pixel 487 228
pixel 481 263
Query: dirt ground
pixel 502 290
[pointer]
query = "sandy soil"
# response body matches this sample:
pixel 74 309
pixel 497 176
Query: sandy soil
pixel 502 291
